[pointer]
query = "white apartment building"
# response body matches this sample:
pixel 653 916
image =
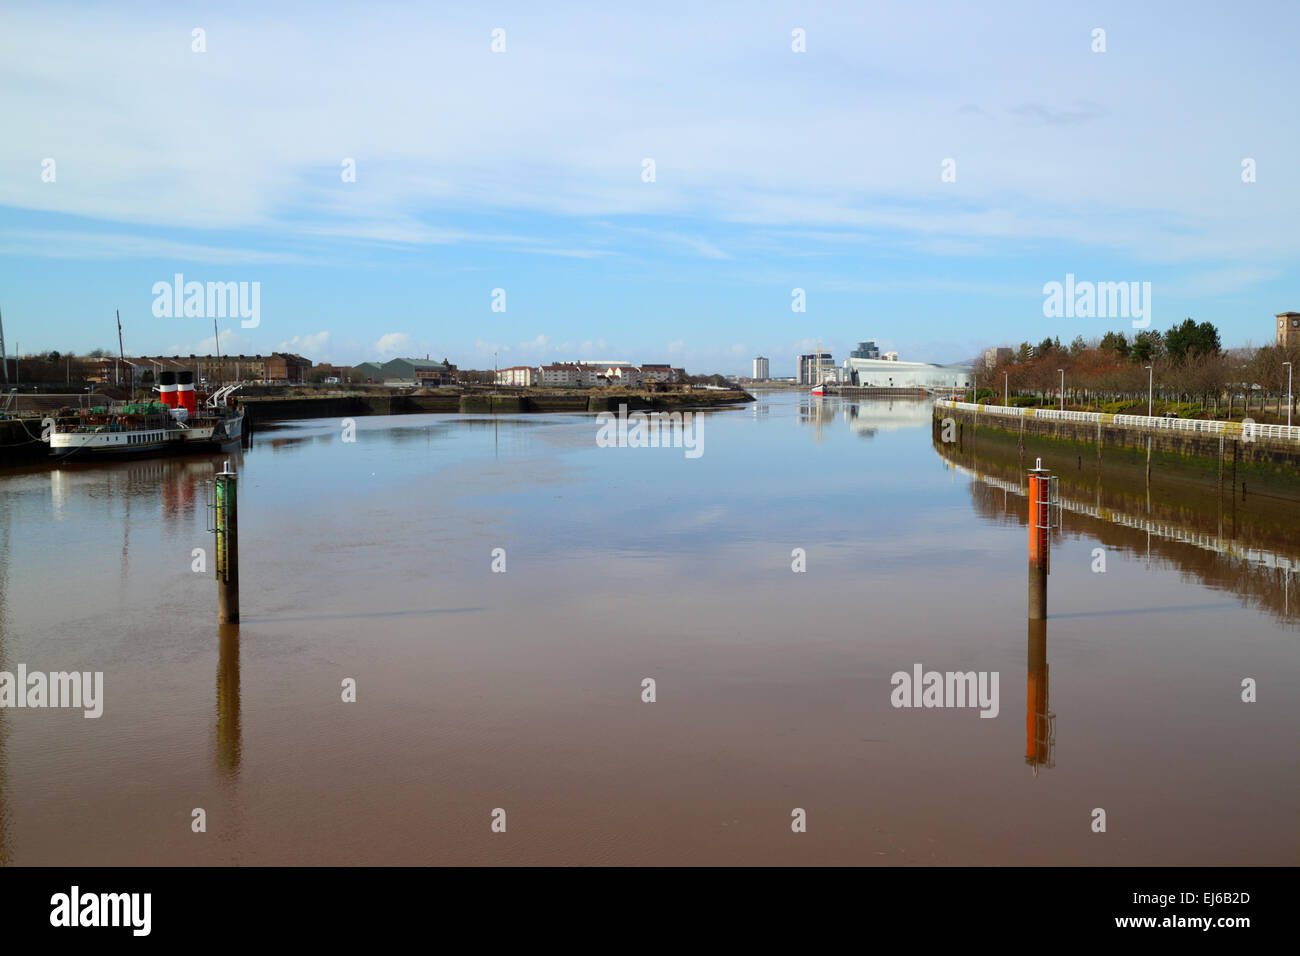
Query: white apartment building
pixel 524 375
pixel 624 375
pixel 560 375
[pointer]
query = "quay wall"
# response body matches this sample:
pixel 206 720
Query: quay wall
pixel 1261 464
pixel 20 442
pixel 289 407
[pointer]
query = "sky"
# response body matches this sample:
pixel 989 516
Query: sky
pixel 524 170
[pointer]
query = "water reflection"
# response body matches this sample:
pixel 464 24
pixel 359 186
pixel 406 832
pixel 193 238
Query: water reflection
pixel 229 736
pixel 5 519
pixel 1040 722
pixel 1224 546
pixel 865 417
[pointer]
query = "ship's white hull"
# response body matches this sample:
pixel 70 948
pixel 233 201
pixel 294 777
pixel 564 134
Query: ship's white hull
pixel 207 437
pixel 112 443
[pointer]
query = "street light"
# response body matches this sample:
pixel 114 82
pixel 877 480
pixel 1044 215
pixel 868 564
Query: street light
pixel 1288 393
pixel 1006 389
pixel 1062 371
pixel 1150 384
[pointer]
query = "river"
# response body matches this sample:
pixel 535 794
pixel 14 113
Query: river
pixel 482 690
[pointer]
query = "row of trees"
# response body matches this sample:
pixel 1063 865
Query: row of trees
pixel 1188 365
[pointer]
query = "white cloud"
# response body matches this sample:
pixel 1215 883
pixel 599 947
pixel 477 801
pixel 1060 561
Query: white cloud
pixel 315 346
pixel 748 134
pixel 395 344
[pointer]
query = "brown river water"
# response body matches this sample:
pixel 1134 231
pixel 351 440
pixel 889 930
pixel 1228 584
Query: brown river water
pixel 522 691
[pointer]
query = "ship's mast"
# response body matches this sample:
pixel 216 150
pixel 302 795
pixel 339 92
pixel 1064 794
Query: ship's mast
pixel 216 344
pixel 120 354
pixel 4 359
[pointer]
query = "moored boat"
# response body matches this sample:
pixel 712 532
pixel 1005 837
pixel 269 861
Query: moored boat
pixel 143 428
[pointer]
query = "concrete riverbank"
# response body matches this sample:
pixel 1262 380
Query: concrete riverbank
pixel 1260 460
pixel 265 408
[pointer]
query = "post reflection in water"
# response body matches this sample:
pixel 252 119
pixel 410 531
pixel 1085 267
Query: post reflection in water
pixel 229 736
pixel 5 504
pixel 1040 722
pixel 1254 562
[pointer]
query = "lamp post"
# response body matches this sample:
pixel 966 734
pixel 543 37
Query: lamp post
pixel 1006 389
pixel 1288 393
pixel 1150 385
pixel 1062 371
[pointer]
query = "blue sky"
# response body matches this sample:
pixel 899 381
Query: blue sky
pixel 522 170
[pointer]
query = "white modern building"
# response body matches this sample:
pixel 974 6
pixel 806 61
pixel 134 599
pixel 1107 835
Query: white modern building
pixel 761 369
pixel 524 375
pixel 888 372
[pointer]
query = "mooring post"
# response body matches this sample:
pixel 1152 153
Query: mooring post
pixel 1040 523
pixel 227 530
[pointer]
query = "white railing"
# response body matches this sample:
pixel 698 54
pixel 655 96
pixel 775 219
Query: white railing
pixel 1245 429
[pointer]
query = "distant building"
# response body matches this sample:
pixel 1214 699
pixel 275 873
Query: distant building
pixel 208 369
pixel 286 367
pixel 760 369
pixel 524 375
pixel 563 375
pixel 623 375
pixel 658 373
pixel 328 373
pixel 813 367
pixel 889 372
pixel 1288 329
pixel 866 350
pixel 414 371
pixel 367 372
pixel 431 373
pixel 995 357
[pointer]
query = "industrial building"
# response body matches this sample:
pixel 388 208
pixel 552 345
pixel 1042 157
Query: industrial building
pixel 891 373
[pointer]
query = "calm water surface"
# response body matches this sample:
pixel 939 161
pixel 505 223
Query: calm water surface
pixel 479 690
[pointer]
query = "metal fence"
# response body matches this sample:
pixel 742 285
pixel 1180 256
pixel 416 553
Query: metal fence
pixel 1245 429
pixel 15 403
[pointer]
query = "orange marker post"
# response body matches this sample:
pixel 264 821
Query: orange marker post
pixel 1040 523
